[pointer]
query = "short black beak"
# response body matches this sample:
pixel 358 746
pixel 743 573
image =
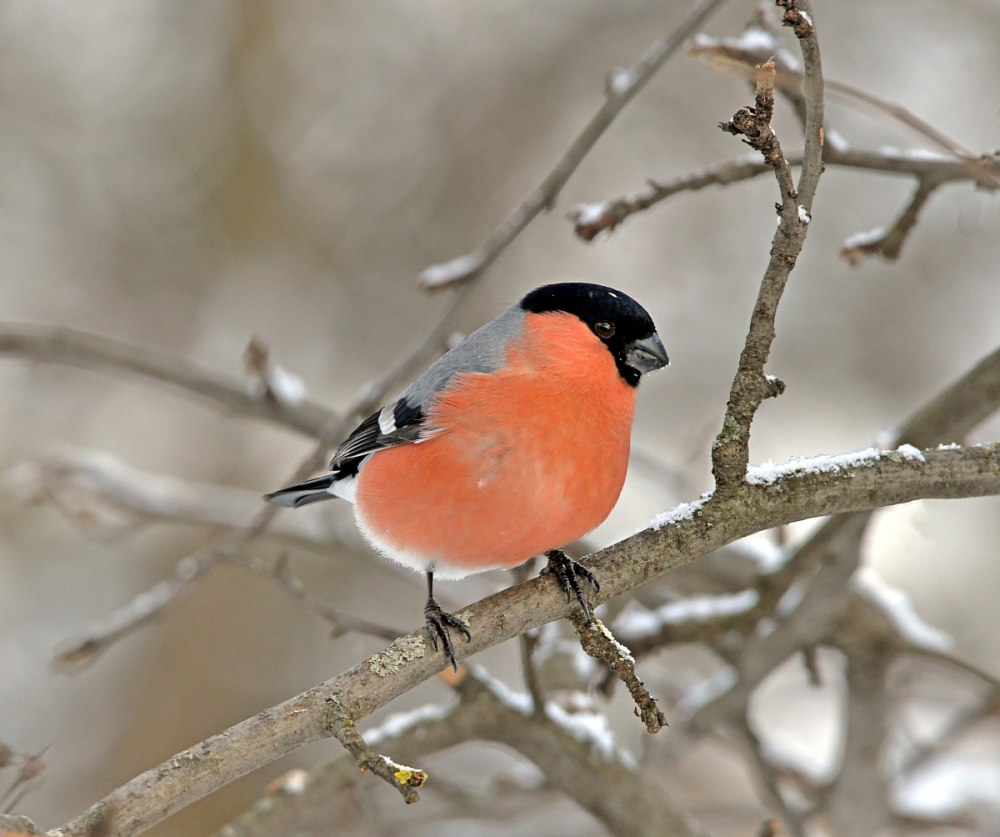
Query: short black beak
pixel 646 354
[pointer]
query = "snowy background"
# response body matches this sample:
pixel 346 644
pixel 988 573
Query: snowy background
pixel 188 175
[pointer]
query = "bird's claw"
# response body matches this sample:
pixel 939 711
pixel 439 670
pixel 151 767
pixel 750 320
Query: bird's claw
pixel 438 623
pixel 568 573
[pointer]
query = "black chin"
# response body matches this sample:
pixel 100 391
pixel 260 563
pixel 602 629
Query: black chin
pixel 629 374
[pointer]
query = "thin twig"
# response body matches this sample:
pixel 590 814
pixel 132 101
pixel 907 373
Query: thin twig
pixel 957 727
pixel 341 622
pixel 798 15
pixel 528 644
pixel 108 497
pixel 100 635
pixel 152 602
pixel 342 726
pixel 622 87
pixel 741 54
pixel 30 767
pixel 986 707
pixel 731 448
pixel 592 219
pixel 232 394
pixel 888 242
pixel 943 658
pixel 600 644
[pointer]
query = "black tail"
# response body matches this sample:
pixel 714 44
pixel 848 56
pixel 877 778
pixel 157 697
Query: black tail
pixel 311 491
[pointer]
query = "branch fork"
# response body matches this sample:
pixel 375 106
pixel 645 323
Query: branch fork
pixel 341 726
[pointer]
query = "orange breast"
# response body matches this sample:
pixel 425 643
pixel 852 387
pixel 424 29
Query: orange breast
pixel 528 459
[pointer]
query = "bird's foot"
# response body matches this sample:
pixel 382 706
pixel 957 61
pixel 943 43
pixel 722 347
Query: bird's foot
pixel 568 573
pixel 438 623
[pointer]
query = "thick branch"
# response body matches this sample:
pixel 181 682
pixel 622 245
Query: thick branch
pixel 835 547
pixel 580 768
pixel 858 801
pixel 953 413
pixel 190 775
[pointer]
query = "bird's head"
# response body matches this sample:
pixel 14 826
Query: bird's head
pixel 617 320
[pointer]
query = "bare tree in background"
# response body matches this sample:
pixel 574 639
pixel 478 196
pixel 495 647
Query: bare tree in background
pixel 741 613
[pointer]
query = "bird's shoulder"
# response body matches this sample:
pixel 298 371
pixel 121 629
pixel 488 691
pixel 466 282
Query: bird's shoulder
pixel 404 421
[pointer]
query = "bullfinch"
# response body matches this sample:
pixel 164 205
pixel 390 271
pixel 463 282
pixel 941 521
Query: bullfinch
pixel 511 445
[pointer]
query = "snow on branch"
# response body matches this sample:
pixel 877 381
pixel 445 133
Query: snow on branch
pixel 218 760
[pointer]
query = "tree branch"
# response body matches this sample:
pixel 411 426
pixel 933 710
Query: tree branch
pixel 108 497
pixel 229 393
pixel 731 448
pixel 622 87
pixel 835 550
pixel 931 170
pixel 600 644
pixel 103 633
pixel 858 800
pixel 952 414
pixel 580 767
pixel 798 15
pixel 589 220
pixel 768 776
pixel 150 603
pixel 948 417
pixel 891 478
pixel 888 243
pixel 758 42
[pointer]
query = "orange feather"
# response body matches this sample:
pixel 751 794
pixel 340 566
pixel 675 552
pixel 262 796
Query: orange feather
pixel 529 457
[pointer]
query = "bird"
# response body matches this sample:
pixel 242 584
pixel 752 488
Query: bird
pixel 510 446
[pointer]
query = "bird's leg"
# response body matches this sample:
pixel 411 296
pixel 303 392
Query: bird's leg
pixel 438 623
pixel 568 573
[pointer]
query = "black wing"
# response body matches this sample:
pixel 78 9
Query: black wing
pixel 401 423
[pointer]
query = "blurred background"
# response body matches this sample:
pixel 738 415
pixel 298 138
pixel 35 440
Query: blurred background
pixel 187 176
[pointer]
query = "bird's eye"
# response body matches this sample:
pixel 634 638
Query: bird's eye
pixel 604 329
